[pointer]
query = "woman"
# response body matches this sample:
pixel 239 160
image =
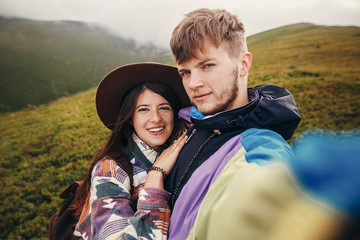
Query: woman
pixel 119 199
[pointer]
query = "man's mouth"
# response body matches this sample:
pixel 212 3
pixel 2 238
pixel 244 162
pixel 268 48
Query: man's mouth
pixel 201 97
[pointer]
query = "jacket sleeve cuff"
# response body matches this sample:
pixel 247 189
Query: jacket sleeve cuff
pixel 153 194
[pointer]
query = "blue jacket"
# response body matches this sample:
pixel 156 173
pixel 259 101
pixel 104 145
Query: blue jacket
pixel 252 134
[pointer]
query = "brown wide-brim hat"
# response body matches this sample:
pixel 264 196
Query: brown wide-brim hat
pixel 116 83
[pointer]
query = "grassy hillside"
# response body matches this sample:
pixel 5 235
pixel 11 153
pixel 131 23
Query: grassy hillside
pixel 42 150
pixel 319 65
pixel 45 148
pixel 44 60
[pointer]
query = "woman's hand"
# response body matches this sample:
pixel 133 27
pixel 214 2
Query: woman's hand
pixel 165 161
pixel 168 157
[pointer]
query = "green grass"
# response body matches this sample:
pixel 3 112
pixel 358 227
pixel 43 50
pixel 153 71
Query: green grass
pixel 319 65
pixel 42 150
pixel 45 148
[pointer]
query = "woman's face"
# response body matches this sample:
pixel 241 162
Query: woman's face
pixel 153 118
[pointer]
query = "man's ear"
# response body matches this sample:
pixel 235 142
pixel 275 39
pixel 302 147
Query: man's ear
pixel 245 64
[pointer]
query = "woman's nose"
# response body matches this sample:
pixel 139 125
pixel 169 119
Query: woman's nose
pixel 155 116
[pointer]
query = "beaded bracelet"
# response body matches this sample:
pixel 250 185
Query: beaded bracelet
pixel 158 169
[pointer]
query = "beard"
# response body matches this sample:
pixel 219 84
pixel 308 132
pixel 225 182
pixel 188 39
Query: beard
pixel 228 96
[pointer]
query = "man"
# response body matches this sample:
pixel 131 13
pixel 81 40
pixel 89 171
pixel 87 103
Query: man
pixel 237 131
pixel 237 178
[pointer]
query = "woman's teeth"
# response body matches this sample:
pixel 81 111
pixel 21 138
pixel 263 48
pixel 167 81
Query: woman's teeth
pixel 154 130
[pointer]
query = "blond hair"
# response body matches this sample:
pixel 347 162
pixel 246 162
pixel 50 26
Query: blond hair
pixel 218 26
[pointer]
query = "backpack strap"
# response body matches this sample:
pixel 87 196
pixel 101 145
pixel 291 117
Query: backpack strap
pixel 70 190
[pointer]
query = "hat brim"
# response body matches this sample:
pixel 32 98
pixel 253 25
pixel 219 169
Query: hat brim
pixel 116 83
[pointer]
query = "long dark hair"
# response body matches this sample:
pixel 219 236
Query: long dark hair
pixel 121 135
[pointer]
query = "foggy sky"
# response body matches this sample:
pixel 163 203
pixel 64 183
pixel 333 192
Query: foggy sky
pixel 154 20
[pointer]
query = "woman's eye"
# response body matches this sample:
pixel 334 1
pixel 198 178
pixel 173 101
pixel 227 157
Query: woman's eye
pixel 143 109
pixel 208 65
pixel 165 108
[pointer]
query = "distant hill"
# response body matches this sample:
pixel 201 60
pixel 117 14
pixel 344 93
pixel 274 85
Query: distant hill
pixel 45 148
pixel 320 65
pixel 44 60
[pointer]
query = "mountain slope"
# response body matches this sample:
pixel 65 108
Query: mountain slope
pixel 44 60
pixel 320 65
pixel 45 148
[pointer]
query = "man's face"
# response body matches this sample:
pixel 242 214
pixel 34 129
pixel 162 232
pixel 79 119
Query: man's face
pixel 212 80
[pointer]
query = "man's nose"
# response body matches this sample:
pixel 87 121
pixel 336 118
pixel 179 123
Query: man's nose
pixel 196 80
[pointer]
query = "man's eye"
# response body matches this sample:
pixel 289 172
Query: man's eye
pixel 184 74
pixel 208 65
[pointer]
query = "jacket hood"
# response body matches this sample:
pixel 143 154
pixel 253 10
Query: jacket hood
pixel 270 107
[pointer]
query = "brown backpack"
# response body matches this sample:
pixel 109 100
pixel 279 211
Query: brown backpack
pixel 62 223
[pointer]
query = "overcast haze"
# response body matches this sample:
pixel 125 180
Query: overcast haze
pixel 154 20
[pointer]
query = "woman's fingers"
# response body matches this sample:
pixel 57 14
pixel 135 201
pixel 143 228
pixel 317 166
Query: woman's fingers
pixel 168 157
pixel 180 142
